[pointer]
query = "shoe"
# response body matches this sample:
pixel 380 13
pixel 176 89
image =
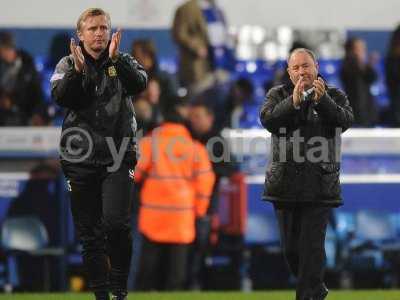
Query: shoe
pixel 321 294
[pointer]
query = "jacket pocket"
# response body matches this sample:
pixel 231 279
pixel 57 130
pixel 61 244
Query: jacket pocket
pixel 275 179
pixel 330 183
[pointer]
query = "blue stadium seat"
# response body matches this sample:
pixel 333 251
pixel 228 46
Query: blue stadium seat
pixel 378 227
pixel 40 62
pixel 331 248
pixel 379 89
pixel 168 64
pixel 25 235
pixel 374 233
pixel 262 229
pixel 345 224
pixel 328 67
pixel 250 116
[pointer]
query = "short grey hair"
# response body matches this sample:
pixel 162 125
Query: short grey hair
pixel 303 50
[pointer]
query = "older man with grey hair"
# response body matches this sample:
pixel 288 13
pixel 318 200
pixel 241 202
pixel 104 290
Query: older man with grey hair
pixel 305 118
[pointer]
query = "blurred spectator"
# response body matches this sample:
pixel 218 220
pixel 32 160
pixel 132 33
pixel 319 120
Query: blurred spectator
pixel 200 30
pixel 240 96
pixel 144 114
pixel 42 116
pixel 19 78
pixel 177 182
pixel 9 114
pixel 58 49
pixel 153 94
pixel 147 106
pixel 357 75
pixel 201 119
pixel 145 52
pixel 392 65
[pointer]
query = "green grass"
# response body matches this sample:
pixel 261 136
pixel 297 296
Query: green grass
pixel 281 295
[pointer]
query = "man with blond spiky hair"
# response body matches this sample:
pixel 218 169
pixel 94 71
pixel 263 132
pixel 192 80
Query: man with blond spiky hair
pixel 98 153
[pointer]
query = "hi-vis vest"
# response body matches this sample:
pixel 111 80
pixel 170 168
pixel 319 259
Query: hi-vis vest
pixel 177 181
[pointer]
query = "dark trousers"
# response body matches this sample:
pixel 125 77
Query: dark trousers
pixel 101 204
pixel 162 266
pixel 198 252
pixel 303 231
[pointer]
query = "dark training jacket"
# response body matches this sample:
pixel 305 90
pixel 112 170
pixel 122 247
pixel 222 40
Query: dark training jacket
pixel 99 106
pixel 311 132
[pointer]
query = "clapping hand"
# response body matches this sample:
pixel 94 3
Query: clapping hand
pixel 77 56
pixel 114 45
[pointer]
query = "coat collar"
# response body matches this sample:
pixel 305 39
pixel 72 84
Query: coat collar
pixel 103 58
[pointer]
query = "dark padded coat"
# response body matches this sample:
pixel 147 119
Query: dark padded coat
pixel 99 104
pixel 304 165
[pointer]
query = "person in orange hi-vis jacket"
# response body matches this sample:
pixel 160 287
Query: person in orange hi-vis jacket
pixel 177 180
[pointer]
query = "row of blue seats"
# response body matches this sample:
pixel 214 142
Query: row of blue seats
pixel 352 238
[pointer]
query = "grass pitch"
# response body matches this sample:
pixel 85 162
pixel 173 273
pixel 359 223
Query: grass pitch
pixel 278 295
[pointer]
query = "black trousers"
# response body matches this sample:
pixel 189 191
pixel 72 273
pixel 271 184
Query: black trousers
pixel 198 252
pixel 303 231
pixel 101 205
pixel 162 266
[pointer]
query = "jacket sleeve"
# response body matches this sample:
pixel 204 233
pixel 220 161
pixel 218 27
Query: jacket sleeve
pixel 67 86
pixel 182 35
pixel 144 163
pixel 335 110
pixel 131 73
pixel 203 180
pixel 276 114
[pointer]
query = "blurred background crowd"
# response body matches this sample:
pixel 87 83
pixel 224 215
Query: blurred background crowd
pixel 227 68
pixel 215 74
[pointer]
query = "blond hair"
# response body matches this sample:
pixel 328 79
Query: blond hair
pixel 92 12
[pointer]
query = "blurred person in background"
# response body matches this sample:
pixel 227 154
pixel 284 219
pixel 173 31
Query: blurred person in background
pixel 357 74
pixel 96 84
pixel 147 107
pixel 42 116
pixel 59 48
pixel 201 119
pixel 302 179
pixel 145 52
pixel 153 95
pixel 144 114
pixel 241 95
pixel 9 114
pixel 19 78
pixel 200 31
pixel 177 182
pixel 392 67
